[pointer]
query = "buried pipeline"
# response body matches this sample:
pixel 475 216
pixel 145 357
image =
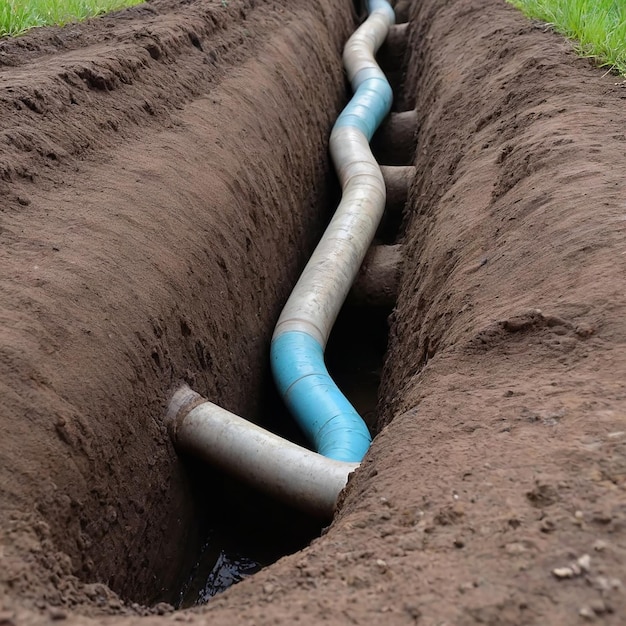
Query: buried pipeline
pixel 311 480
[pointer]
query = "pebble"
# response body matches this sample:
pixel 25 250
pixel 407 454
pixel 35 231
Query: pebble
pixel 583 564
pixel 600 545
pixel 57 614
pixel 162 608
pixel 587 612
pixel 467 587
pixel 566 572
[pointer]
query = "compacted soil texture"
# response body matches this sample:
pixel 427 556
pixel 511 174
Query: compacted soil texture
pixel 164 176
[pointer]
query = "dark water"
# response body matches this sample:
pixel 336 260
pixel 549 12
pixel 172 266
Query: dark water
pixel 225 567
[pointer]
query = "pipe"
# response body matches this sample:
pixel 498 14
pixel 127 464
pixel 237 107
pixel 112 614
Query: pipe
pixel 288 472
pixel 398 180
pixel 378 280
pixel 303 478
pixel 297 353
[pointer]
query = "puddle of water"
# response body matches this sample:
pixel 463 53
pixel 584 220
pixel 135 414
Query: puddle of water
pixel 242 530
pixel 225 569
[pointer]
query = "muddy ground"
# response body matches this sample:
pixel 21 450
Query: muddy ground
pixel 163 176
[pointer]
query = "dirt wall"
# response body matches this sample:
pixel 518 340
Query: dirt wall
pixel 162 177
pixel 504 382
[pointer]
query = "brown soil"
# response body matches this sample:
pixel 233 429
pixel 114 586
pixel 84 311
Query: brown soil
pixel 153 184
pixel 151 165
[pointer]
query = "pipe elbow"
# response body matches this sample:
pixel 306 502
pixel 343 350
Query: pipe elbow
pixel 322 411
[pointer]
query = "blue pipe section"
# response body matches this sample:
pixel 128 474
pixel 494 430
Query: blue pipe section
pixel 323 412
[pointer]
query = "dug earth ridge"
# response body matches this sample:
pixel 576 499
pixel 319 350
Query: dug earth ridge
pixel 494 491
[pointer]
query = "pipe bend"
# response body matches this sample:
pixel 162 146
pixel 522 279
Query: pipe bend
pixel 302 478
pixel 297 353
pixel 324 413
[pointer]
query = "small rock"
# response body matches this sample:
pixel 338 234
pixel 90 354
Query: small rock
pixel 162 608
pixel 23 201
pixel 382 565
pixel 584 330
pixel 57 614
pixel 269 588
pixel 604 584
pixel 587 613
pixel 564 572
pixel 600 545
pixel 459 543
pixel 584 562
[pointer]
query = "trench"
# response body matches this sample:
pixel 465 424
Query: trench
pixel 115 529
pixel 238 531
pixel 242 530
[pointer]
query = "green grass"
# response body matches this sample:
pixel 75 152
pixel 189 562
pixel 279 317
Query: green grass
pixel 17 16
pixel 598 26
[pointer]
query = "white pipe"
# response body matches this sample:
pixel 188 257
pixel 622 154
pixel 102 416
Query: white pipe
pixel 323 286
pixel 293 474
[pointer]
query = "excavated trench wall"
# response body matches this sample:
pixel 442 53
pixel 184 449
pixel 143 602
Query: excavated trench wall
pixel 164 182
pixel 498 458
